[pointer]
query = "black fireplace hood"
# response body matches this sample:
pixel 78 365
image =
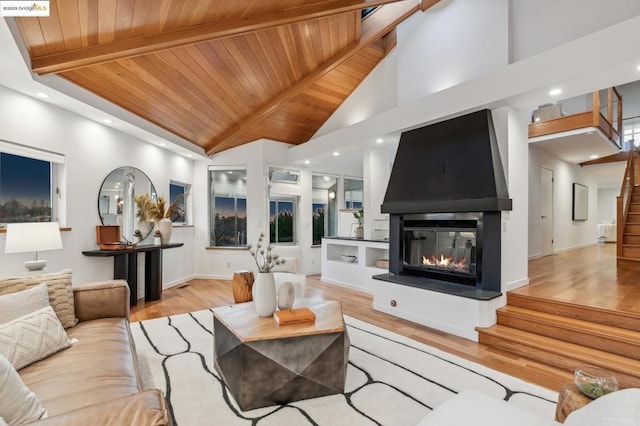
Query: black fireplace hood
pixel 448 167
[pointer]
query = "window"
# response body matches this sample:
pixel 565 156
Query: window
pixel 228 207
pixel 353 193
pixel 28 184
pixel 282 219
pixel 178 199
pixel 324 207
pixel 631 129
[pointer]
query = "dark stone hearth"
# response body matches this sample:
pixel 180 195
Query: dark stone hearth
pixel 440 286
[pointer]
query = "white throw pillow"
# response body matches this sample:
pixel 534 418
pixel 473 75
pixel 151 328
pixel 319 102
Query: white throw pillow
pixel 32 337
pixel 18 405
pixel 620 408
pixel 15 305
pixel 290 265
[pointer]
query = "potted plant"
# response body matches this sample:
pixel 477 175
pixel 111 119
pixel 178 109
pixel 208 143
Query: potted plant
pixel 264 289
pixel 359 216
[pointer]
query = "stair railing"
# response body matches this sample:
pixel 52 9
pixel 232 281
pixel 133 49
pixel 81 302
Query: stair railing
pixel 623 200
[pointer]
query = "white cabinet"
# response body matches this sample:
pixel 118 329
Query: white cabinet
pixel 351 263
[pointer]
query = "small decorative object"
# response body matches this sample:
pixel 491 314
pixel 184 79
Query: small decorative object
pixel 264 289
pixel 349 258
pixel 294 316
pixel 137 236
pixel 157 241
pixel 359 216
pixel 165 226
pixel 595 381
pixel 242 286
pixel 286 296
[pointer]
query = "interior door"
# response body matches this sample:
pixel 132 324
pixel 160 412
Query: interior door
pixel 546 210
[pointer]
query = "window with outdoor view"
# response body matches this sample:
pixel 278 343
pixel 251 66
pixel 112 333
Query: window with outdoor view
pixel 282 219
pixel 324 207
pixel 228 206
pixel 25 189
pixel 177 199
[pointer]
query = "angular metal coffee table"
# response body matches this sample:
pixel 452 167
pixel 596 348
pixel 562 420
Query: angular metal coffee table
pixel 265 364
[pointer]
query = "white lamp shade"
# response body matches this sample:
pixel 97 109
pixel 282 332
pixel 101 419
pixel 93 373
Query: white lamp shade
pixel 34 237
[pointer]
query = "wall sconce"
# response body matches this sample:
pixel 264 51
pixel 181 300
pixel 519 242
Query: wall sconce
pixel 332 194
pixel 35 237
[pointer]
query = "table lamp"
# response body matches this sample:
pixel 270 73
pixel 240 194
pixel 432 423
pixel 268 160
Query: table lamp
pixel 35 237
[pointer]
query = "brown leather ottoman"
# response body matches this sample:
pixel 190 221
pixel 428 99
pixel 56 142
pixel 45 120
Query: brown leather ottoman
pixel 265 364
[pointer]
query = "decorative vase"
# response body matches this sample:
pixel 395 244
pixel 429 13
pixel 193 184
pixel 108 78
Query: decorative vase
pixel 286 296
pixel 165 226
pixel 264 294
pixel 360 232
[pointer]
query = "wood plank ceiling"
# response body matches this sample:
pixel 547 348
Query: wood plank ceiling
pixel 218 73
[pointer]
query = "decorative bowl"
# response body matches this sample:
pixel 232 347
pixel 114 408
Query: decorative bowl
pixel 348 258
pixel 595 381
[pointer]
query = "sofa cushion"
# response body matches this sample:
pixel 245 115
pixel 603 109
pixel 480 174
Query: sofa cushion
pixel 621 408
pixel 18 404
pixel 60 292
pixel 479 409
pixel 32 337
pixel 99 367
pixel 23 302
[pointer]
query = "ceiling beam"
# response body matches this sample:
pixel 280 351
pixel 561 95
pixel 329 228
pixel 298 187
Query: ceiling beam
pixel 93 55
pixel 376 26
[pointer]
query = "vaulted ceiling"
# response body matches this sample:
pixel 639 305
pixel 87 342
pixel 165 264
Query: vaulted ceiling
pixel 218 73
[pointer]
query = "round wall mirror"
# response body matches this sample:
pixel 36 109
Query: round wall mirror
pixel 116 201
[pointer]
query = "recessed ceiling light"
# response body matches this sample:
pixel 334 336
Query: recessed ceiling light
pixel 307 162
pixel 638 67
pixel 379 140
pixel 188 154
pixel 555 92
pixel 336 153
pixel 593 157
pixel 162 144
pixel 42 95
pixel 107 121
pixel 230 172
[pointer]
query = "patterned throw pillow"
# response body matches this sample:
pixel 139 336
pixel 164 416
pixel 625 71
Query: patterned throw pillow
pixel 60 292
pixel 32 337
pixel 15 305
pixel 18 405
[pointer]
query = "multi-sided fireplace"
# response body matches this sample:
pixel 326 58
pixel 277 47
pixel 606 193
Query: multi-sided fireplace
pixel 445 197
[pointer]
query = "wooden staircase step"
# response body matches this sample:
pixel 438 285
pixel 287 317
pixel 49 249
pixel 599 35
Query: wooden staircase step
pixel 635 198
pixel 560 354
pixel 585 333
pixel 631 251
pixel 634 207
pixel 628 263
pixel 631 239
pixel 632 228
pixel 621 319
pixel 633 217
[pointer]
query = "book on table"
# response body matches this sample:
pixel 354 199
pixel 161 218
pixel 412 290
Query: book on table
pixel 294 316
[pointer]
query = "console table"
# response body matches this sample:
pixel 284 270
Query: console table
pixel 125 266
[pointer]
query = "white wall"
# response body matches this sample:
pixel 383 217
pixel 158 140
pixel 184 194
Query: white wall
pixel 567 233
pixel 454 41
pixel 544 24
pixel 515 222
pixel 607 204
pixel 92 151
pixel 630 99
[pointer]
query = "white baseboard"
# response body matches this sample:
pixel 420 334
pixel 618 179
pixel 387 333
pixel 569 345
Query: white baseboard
pixel 517 284
pixel 212 277
pixel 574 247
pixel 347 285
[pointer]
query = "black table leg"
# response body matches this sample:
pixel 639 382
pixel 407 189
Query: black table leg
pixel 153 275
pixel 125 267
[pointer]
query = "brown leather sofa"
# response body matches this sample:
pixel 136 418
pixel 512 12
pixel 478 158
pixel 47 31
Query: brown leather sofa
pixel 96 381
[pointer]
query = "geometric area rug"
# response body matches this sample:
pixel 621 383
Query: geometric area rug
pixel 391 379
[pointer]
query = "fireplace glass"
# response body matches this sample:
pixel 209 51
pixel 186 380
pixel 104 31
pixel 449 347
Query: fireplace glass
pixel 441 250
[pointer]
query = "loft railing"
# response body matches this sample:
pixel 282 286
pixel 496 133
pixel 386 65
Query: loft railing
pixel 622 201
pixel 605 115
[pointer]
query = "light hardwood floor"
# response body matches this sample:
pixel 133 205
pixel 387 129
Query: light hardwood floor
pixel 586 276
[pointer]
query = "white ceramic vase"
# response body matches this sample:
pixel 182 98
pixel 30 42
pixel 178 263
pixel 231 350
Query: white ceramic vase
pixel 165 226
pixel 264 294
